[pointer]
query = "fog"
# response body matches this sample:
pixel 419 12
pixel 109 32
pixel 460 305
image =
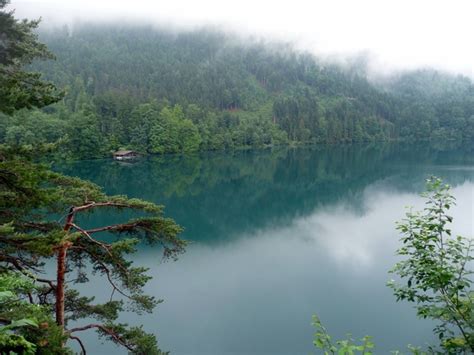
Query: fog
pixel 398 35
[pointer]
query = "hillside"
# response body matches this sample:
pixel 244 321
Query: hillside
pixel 161 92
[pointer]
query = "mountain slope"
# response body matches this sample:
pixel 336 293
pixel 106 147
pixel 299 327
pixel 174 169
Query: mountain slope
pixel 158 91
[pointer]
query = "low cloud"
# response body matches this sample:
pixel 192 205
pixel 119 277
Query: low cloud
pixel 399 34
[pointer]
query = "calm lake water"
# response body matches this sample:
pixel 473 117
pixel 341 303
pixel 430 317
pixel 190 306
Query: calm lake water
pixel 279 235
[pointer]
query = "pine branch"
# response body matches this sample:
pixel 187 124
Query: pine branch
pixel 116 337
pixel 81 344
pixel 115 227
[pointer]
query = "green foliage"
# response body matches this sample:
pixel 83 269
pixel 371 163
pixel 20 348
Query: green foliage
pixel 171 132
pixel 29 327
pixel 349 346
pixel 436 268
pixel 83 136
pixel 323 341
pixel 9 341
pixel 145 343
pixel 16 344
pixel 20 46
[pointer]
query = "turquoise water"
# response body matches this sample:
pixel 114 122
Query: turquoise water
pixel 279 235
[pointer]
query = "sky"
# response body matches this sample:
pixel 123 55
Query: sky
pixel 401 34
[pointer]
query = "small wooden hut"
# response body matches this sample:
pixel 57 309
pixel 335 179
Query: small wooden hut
pixel 125 155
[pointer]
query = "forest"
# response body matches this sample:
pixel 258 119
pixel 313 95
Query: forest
pixel 157 91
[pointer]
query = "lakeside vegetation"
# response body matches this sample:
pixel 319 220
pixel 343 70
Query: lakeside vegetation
pixel 434 274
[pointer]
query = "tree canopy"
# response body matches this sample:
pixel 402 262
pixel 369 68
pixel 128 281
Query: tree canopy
pixel 19 46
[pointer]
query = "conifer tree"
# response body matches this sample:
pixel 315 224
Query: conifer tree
pixel 40 221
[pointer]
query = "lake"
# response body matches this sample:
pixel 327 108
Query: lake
pixel 277 236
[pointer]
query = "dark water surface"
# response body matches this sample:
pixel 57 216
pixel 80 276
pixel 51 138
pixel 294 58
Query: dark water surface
pixel 278 236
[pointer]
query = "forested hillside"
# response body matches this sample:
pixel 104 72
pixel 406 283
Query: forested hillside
pixel 160 92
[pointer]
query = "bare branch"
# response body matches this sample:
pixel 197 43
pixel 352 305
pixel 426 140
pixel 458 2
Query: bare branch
pixel 100 204
pixel 106 270
pixel 95 241
pixel 113 227
pixel 80 343
pixel 109 331
pixel 16 263
pixel 104 246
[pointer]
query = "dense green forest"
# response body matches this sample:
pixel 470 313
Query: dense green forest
pixel 161 92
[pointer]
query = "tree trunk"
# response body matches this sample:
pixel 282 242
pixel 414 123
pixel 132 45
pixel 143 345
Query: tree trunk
pixel 61 271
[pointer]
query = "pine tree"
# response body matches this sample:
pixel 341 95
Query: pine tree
pixel 40 309
pixel 19 46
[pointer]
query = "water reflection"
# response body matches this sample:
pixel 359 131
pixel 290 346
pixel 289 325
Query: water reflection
pixel 279 235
